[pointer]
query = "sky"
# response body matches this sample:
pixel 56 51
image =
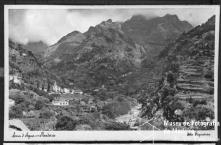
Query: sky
pixel 49 25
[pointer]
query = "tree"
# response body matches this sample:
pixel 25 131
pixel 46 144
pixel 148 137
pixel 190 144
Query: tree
pixel 15 112
pixel 65 123
pixel 116 126
pixel 46 114
pixel 39 105
pixel 19 99
pixel 109 111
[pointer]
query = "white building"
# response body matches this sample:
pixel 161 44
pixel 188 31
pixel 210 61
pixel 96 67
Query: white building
pixel 60 102
pixel 45 90
pixel 72 91
pixel 55 87
pixel 10 77
pixel 66 90
pixel 15 79
pixel 11 103
pixel 24 54
pixel 78 92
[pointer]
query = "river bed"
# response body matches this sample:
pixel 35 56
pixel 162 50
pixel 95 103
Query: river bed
pixel 131 117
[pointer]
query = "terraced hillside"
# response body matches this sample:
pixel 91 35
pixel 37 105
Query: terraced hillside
pixel 186 91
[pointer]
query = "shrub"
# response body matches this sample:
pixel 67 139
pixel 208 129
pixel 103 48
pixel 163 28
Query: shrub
pixel 199 102
pixel 19 99
pixel 116 126
pixel 108 110
pixel 46 114
pixel 171 104
pixel 40 92
pixel 52 96
pixel 120 99
pixel 39 105
pixel 116 108
pixel 87 119
pixel 91 120
pixel 15 112
pixel 198 113
pixel 209 75
pixel 171 78
pixel 65 123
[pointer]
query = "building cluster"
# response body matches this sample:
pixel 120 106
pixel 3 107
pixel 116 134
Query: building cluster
pixel 44 85
pixel 60 90
pixel 16 78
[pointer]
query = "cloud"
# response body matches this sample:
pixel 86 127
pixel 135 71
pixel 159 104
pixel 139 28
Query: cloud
pixel 49 25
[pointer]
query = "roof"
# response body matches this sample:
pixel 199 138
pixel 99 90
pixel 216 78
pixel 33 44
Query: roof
pixel 17 124
pixel 62 99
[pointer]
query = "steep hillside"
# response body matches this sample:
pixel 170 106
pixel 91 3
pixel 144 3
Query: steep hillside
pixel 24 66
pixel 110 51
pixel 186 91
pixel 95 58
pixel 155 33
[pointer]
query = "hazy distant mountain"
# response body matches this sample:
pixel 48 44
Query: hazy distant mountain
pixel 156 32
pixel 37 48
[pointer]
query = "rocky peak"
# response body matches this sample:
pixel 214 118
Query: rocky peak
pixel 211 21
pixel 138 18
pixel 104 26
pixel 69 35
pixel 107 22
pixel 155 33
pixel 170 17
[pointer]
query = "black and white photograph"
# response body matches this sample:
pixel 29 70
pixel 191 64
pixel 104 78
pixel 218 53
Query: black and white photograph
pixel 111 72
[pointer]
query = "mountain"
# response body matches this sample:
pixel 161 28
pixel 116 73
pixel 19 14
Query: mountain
pixel 106 52
pixel 186 91
pixel 97 57
pixel 36 48
pixel 155 33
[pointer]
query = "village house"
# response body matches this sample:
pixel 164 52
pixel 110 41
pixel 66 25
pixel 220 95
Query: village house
pixel 72 92
pixel 66 90
pixel 29 114
pixel 24 54
pixel 45 89
pixel 56 88
pixel 16 78
pixel 91 101
pixel 78 91
pixel 11 103
pixel 62 101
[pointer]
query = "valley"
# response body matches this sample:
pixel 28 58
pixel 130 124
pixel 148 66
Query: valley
pixel 130 75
